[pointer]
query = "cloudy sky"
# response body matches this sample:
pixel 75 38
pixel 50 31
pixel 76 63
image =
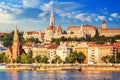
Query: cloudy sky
pixel 33 15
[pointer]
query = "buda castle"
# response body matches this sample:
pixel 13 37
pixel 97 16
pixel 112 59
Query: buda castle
pixel 78 31
pixel 86 31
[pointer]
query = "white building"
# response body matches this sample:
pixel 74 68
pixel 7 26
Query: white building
pixel 51 50
pixel 93 55
pixel 34 34
pixel 63 51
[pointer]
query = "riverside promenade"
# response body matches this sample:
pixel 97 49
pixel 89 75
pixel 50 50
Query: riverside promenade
pixel 64 67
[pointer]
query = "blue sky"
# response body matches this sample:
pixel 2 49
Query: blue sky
pixel 33 15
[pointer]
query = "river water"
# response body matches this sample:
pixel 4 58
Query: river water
pixel 63 75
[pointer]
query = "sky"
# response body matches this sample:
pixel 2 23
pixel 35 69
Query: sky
pixel 34 15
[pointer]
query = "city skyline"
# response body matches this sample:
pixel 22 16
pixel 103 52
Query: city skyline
pixel 34 15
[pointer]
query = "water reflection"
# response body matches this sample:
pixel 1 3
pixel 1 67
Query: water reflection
pixel 12 75
pixel 34 75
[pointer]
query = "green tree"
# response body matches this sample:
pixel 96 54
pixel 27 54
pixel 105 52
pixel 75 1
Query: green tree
pixel 57 59
pixel 110 59
pixel 64 32
pixel 23 58
pixel 104 59
pixel 67 60
pixel 73 57
pixel 80 57
pixel 29 58
pixel 3 58
pixel 63 38
pixel 56 40
pixel 18 60
pixel 44 59
pixel 8 39
pixel 38 59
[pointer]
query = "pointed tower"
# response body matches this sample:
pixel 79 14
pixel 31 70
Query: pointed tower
pixel 104 25
pixel 16 49
pixel 52 21
pixel 16 44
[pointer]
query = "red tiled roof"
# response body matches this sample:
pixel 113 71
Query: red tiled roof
pixel 110 29
pixel 58 29
pixel 42 33
pixel 32 32
pixel 84 26
pixel 2 33
pixel 52 47
pixel 29 44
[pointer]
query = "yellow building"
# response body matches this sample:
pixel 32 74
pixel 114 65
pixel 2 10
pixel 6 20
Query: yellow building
pixel 82 47
pixel 84 50
pixel 104 50
pixel 39 50
pixel 87 30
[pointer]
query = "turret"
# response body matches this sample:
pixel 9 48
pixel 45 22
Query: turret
pixel 104 25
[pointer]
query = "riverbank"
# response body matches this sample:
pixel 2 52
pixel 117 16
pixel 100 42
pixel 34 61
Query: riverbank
pixel 64 67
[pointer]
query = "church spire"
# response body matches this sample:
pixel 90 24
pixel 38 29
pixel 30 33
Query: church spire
pixel 16 34
pixel 52 21
pixel 16 44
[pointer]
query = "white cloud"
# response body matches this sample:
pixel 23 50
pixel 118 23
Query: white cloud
pixel 5 17
pixel 96 20
pixel 42 15
pixel 84 17
pixel 10 8
pixel 110 19
pixel 63 9
pixel 8 11
pixel 101 17
pixel 115 15
pixel 31 3
pixel 104 10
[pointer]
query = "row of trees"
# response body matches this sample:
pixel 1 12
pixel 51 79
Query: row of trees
pixel 97 39
pixel 75 57
pixel 111 58
pixel 8 39
pixel 27 58
pixel 72 58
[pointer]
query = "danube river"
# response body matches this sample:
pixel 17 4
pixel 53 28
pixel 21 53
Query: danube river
pixel 63 75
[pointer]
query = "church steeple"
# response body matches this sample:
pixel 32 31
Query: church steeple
pixel 16 44
pixel 52 21
pixel 16 39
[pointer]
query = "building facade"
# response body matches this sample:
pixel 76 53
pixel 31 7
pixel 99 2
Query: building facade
pixel 39 50
pixel 82 47
pixel 108 32
pixel 82 31
pixel 63 50
pixel 34 34
pixel 51 50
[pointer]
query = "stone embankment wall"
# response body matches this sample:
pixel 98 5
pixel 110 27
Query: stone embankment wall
pixel 60 67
